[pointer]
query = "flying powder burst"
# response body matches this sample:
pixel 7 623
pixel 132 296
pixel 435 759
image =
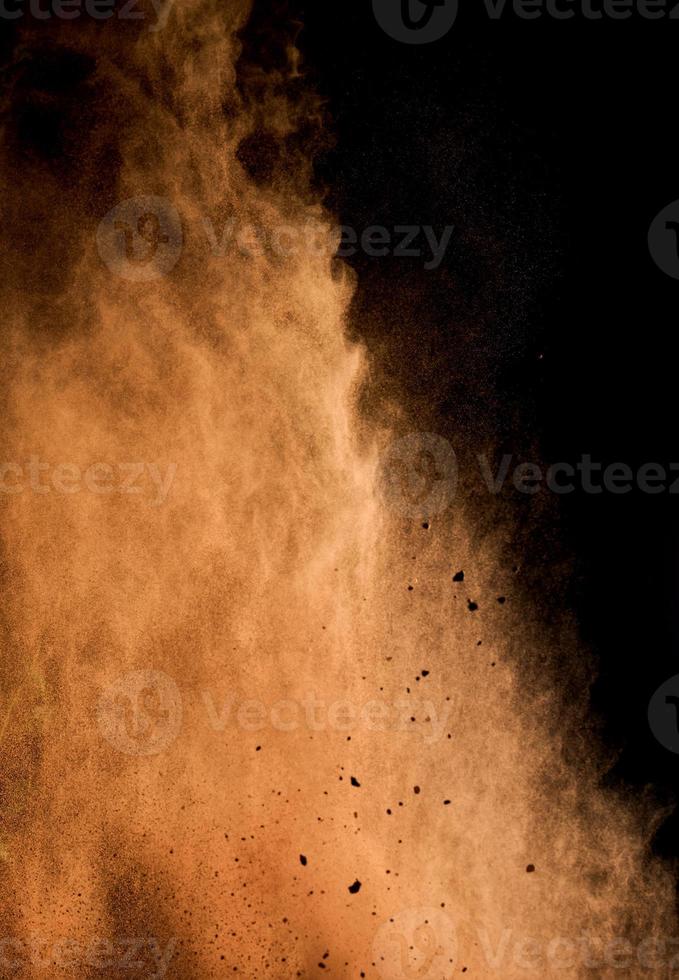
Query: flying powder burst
pixel 254 718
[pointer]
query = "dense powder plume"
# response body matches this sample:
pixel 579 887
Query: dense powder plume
pixel 261 708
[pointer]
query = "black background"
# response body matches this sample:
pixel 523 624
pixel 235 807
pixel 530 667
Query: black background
pixel 551 146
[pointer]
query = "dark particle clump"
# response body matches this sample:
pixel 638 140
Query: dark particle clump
pixel 354 781
pixel 530 869
pixel 459 577
pixel 355 888
pixel 473 606
pixel 302 860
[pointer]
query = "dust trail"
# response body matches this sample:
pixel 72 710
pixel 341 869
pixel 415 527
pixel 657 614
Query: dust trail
pixel 236 679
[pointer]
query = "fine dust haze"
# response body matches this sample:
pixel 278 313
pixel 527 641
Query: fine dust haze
pixel 255 721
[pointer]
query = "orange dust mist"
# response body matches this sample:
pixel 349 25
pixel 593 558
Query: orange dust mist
pixel 250 725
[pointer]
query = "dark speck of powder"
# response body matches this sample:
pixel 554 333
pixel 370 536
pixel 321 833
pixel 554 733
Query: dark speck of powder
pixel 355 888
pixel 530 869
pixel 302 860
pixel 410 588
pixel 354 781
pixel 446 802
pixel 501 599
pixel 416 790
pixel 425 673
pixel 425 525
pixel 472 606
pixel 459 577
